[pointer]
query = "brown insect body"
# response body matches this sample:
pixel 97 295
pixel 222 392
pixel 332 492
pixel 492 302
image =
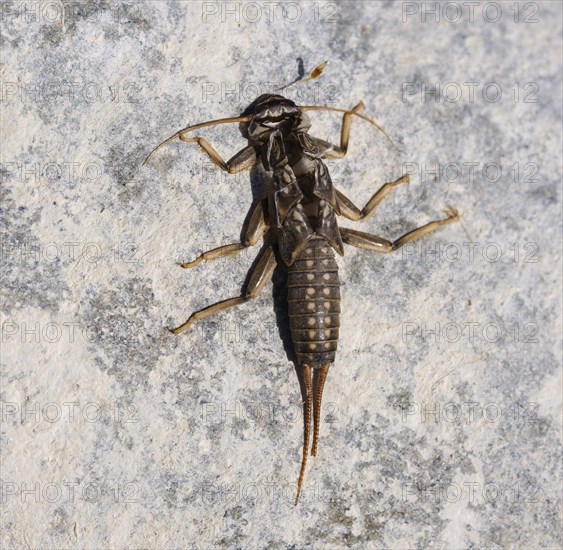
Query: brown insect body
pixel 303 204
pixel 314 304
pixel 301 218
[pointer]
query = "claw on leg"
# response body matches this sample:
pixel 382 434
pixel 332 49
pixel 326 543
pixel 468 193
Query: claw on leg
pixel 226 250
pixel 452 213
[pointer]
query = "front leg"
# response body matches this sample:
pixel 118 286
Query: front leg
pixel 243 160
pixel 331 151
pixel 378 244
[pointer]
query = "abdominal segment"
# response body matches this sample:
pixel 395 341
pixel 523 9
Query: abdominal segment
pixel 314 304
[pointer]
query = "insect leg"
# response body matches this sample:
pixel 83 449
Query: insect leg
pixel 258 277
pixel 332 151
pixel 257 227
pixel 242 160
pixel 193 127
pixel 339 152
pixel 378 244
pixel 352 212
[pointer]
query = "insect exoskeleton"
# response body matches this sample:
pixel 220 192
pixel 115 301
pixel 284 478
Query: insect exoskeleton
pixel 299 219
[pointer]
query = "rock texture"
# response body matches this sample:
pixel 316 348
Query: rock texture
pixel 442 414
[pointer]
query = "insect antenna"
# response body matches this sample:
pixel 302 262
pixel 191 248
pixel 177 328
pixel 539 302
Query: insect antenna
pixel 315 73
pixel 372 122
pixel 187 129
pixel 308 407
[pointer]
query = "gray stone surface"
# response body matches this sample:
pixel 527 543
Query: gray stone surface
pixel 117 434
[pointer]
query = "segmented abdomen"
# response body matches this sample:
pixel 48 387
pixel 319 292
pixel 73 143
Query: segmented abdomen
pixel 314 304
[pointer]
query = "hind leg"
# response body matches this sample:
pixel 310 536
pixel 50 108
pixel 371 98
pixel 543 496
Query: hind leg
pixel 259 275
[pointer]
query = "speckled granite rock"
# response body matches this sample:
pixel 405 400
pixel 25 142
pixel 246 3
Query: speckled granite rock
pixel 442 415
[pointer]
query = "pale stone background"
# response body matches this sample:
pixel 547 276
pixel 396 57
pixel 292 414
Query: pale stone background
pixel 117 434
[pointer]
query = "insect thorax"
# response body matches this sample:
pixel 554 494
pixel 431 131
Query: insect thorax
pixel 303 202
